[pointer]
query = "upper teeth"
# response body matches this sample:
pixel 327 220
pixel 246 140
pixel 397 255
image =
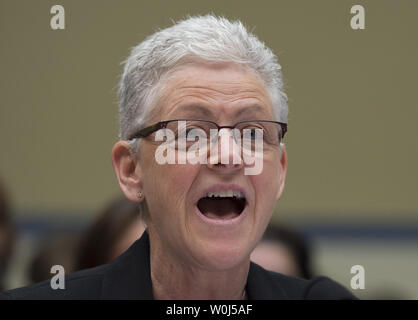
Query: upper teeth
pixel 225 193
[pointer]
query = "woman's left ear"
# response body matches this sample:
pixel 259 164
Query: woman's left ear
pixel 128 171
pixel 283 170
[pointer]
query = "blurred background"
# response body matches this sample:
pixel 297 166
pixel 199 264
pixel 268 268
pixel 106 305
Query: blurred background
pixel 352 184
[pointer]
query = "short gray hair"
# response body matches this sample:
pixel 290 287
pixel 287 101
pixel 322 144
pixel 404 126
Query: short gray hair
pixel 196 39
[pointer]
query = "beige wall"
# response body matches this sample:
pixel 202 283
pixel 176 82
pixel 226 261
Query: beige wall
pixel 352 140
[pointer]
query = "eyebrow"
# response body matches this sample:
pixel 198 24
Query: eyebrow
pixel 252 108
pixel 196 108
pixel 207 112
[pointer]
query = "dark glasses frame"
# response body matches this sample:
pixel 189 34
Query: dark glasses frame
pixel 147 131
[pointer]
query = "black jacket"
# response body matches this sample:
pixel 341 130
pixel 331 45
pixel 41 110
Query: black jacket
pixel 128 277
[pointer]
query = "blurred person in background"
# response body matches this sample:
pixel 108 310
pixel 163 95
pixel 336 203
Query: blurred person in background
pixel 56 249
pixel 7 236
pixel 116 228
pixel 284 250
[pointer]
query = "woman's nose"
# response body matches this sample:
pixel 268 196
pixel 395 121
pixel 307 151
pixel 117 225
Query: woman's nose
pixel 225 153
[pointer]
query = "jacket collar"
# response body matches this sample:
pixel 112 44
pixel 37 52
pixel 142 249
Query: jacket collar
pixel 129 276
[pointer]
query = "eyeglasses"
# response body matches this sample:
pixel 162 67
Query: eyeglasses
pixel 272 131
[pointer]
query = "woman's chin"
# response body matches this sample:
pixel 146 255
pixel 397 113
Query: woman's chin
pixel 221 257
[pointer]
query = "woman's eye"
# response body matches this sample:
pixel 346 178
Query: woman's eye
pixel 251 133
pixel 188 130
pixel 195 132
pixel 184 132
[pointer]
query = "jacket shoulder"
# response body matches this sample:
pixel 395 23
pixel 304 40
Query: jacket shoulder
pixel 319 288
pixel 271 285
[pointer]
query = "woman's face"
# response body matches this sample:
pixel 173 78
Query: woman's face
pixel 208 233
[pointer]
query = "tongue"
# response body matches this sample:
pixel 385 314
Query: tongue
pixel 219 208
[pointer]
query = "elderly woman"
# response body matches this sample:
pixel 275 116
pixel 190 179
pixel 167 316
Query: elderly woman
pixel 201 104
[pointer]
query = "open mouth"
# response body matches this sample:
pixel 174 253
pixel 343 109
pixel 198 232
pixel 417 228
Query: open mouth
pixel 223 204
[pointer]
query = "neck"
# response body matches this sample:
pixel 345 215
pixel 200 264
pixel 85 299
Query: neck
pixel 173 280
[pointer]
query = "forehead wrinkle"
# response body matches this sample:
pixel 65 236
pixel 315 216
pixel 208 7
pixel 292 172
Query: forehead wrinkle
pixel 208 93
pixel 230 93
pixel 211 95
pixel 204 109
pixel 213 92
